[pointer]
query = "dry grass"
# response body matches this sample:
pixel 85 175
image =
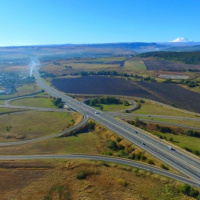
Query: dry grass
pixel 58 180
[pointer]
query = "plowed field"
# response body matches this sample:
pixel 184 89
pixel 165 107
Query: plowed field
pixel 163 92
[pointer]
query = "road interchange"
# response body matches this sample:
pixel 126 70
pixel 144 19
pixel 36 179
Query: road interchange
pixel 176 158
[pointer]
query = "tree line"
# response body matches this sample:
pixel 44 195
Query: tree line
pixel 184 57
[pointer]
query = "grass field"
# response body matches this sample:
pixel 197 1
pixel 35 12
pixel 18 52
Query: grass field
pixel 149 108
pixel 27 89
pixel 109 59
pixel 86 66
pixel 23 90
pixel 47 180
pixel 9 110
pixel 2 102
pixel 184 141
pixel 34 102
pixel 112 107
pixel 134 65
pixel 28 125
pixel 94 142
pixel 173 121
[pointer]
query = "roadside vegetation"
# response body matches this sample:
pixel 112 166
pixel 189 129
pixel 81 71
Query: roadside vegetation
pixel 186 139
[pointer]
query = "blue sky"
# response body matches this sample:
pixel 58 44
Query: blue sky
pixel 27 22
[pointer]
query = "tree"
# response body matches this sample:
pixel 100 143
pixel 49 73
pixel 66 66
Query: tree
pixel 126 103
pixel 92 102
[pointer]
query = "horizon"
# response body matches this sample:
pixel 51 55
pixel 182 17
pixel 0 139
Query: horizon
pixel 171 42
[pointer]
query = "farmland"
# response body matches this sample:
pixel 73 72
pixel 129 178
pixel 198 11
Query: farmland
pixel 134 65
pixel 164 65
pixel 165 93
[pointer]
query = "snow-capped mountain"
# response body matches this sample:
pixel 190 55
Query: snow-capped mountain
pixel 181 39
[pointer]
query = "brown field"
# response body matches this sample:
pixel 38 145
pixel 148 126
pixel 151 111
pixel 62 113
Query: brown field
pixel 57 179
pixel 164 65
pixel 161 92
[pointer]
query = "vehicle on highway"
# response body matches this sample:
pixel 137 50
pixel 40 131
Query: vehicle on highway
pixel 170 147
pixel 96 112
pixel 143 143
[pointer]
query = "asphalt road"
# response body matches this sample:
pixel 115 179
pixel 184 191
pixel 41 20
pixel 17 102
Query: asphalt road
pixel 178 159
pixel 107 159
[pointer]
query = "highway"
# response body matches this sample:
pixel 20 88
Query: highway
pixel 178 159
pixel 106 159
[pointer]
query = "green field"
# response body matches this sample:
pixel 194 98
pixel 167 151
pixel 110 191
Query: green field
pixel 134 65
pixel 112 107
pixel 27 89
pixel 86 66
pixel 109 59
pixel 2 102
pixel 28 125
pixel 9 110
pixel 173 121
pixel 149 108
pixel 184 141
pixel 34 102
pixel 94 142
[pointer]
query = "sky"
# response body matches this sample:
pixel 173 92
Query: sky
pixel 37 22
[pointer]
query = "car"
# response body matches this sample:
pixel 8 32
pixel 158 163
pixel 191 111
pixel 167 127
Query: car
pixel 143 143
pixel 136 132
pixel 96 112
pixel 170 147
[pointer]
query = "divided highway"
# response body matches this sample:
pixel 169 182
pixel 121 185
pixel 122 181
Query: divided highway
pixel 181 161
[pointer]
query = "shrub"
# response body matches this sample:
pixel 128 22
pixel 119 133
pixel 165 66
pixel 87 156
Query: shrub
pixel 151 162
pixel 83 174
pixel 122 182
pixel 112 145
pixel 118 139
pixel 164 167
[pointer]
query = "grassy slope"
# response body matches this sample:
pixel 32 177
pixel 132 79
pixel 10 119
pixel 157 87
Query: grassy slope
pixel 32 124
pixel 149 108
pixel 50 179
pixel 35 102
